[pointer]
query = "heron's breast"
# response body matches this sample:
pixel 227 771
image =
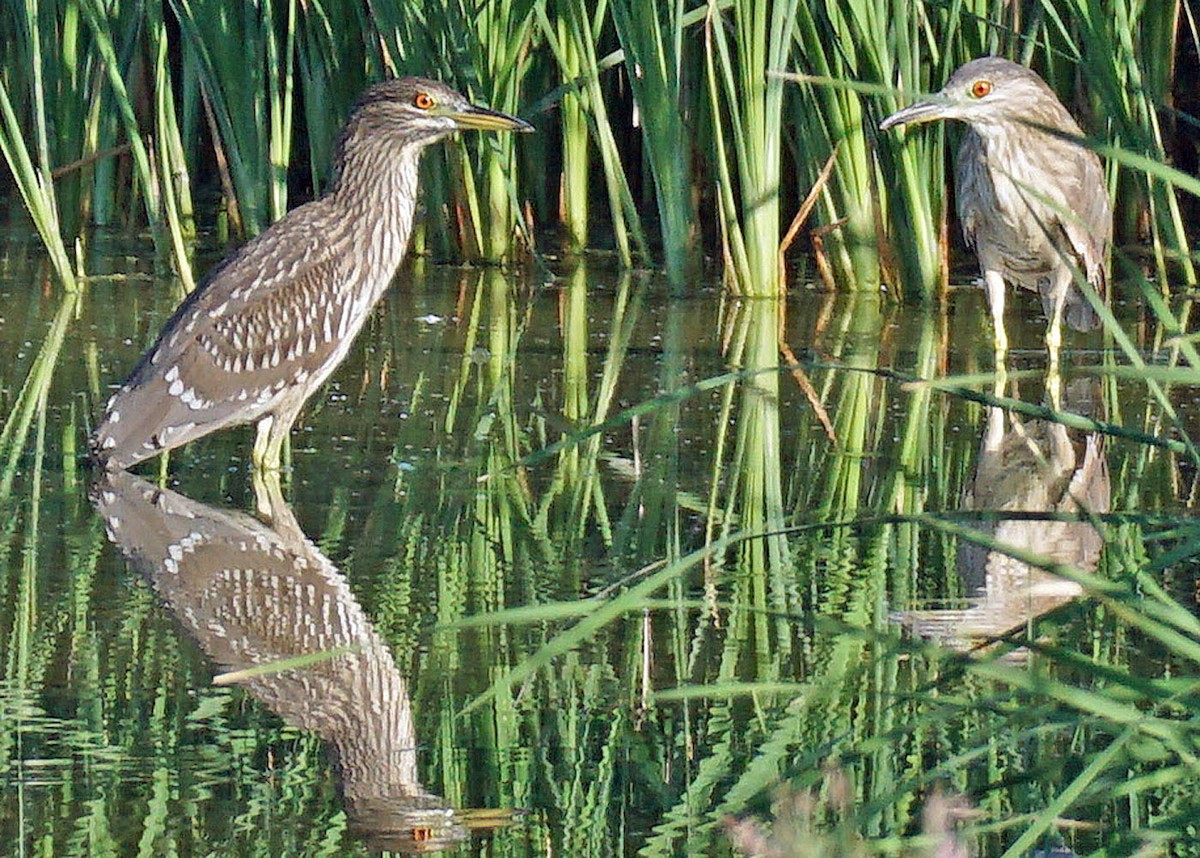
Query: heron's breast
pixel 1010 219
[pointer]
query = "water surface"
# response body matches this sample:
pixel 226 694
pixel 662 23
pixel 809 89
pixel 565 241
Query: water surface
pixel 565 565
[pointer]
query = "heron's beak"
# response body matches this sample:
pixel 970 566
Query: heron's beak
pixel 922 111
pixel 483 119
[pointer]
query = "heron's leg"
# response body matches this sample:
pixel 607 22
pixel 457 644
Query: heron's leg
pixel 1000 378
pixel 1062 280
pixel 1054 386
pixel 268 496
pixel 994 283
pixel 273 430
pixel 993 433
pixel 262 441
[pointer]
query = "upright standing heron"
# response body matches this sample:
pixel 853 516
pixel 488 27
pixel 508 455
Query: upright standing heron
pixel 269 324
pixel 1032 200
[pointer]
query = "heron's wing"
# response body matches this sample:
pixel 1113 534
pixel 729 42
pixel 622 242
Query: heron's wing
pixel 1089 230
pixel 972 185
pixel 279 302
pixel 258 292
pixel 1082 219
pixel 269 318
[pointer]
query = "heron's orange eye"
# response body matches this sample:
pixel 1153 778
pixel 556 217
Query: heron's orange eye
pixel 423 101
pixel 981 88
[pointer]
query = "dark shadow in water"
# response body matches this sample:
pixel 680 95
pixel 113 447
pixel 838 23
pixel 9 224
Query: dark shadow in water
pixel 266 605
pixel 1025 466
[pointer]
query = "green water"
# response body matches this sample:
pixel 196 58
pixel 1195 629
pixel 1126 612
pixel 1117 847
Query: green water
pixel 467 620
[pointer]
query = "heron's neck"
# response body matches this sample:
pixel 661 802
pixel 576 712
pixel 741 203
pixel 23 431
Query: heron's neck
pixel 376 193
pixel 1034 127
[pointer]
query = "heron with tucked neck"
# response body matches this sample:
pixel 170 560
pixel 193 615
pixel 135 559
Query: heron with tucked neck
pixel 269 324
pixel 1032 200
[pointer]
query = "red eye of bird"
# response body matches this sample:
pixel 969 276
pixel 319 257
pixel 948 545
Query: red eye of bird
pixel 981 88
pixel 423 100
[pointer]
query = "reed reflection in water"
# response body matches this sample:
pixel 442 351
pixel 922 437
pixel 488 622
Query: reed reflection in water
pixel 271 610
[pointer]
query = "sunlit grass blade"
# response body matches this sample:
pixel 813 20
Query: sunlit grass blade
pixel 36 189
pixel 33 396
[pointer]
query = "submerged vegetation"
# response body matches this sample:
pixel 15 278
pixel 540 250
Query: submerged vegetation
pixel 614 561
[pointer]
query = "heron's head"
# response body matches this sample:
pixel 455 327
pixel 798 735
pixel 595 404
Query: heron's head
pixel 417 110
pixel 989 91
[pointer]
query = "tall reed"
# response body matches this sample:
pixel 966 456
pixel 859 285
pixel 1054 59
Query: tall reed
pixel 749 151
pixel 246 78
pixel 35 186
pixel 165 204
pixel 492 61
pixel 653 36
pixel 48 86
pixel 573 37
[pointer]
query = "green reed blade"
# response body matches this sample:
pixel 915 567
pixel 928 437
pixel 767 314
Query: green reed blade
pixel 651 36
pixel 36 189
pixel 32 398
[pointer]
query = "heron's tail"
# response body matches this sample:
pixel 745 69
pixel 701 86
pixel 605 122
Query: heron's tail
pixel 126 435
pixel 1080 314
pixel 1077 312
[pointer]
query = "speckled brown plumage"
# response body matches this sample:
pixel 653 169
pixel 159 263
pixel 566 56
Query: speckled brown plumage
pixel 1025 467
pixel 269 324
pixel 269 609
pixel 1032 200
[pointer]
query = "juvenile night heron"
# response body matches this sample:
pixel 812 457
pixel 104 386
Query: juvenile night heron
pixel 271 322
pixel 1033 203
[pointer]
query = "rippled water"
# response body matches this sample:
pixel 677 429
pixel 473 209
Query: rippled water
pixel 478 612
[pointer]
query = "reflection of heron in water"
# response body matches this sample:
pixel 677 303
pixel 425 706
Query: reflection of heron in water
pixel 263 602
pixel 1027 467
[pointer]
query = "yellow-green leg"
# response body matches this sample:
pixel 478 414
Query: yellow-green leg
pixel 1054 332
pixel 994 284
pixel 268 496
pixel 273 430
